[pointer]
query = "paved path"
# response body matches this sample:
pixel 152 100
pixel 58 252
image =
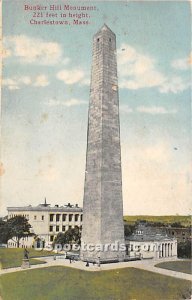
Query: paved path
pixel 148 265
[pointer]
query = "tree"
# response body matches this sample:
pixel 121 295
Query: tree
pixel 3 232
pixel 184 249
pixel 17 227
pixel 157 224
pixel 60 239
pixel 177 224
pixel 72 235
pixel 129 229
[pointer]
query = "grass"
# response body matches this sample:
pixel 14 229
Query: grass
pixel 12 257
pixel 184 220
pixel 183 266
pixel 61 283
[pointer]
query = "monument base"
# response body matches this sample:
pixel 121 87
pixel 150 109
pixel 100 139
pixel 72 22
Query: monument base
pixel 25 264
pixel 102 258
pixel 104 261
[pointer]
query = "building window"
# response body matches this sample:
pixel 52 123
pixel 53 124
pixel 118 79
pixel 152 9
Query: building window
pixel 35 217
pixel 42 218
pixel 50 228
pixel 51 238
pixel 76 218
pixel 57 228
pixel 57 218
pixel 63 228
pixel 98 40
pixel 70 218
pixel 51 217
pixel 81 218
pixel 70 227
pixel 131 247
pixel 64 217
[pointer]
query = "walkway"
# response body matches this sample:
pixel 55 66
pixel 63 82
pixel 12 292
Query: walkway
pixel 148 265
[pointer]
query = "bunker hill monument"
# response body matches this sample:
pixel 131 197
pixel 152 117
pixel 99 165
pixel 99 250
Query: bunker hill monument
pixel 102 203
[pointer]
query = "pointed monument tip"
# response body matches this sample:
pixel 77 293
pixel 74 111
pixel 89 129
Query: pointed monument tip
pixel 104 28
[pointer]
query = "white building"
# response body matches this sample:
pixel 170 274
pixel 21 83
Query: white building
pixel 146 243
pixel 46 221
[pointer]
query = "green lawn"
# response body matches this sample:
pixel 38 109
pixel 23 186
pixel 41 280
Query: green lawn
pixel 184 220
pixel 61 283
pixel 179 266
pixel 12 257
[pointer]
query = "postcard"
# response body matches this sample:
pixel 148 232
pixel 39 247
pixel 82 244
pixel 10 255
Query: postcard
pixel 96 149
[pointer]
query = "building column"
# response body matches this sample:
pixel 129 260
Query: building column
pixel 159 251
pixel 163 250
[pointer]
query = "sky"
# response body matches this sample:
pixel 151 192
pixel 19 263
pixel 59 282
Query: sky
pixel 45 98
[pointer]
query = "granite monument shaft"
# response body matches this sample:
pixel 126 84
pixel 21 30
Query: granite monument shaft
pixel 102 203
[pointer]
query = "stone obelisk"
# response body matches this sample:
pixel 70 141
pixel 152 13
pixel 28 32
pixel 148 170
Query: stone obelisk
pixel 102 203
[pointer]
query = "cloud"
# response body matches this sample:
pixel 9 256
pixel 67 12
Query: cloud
pixel 126 109
pixel 155 110
pixel 32 50
pixel 17 83
pixel 41 81
pixel 6 53
pixel 159 153
pixel 74 102
pixel 66 60
pixel 140 71
pixel 182 63
pixel 175 85
pixel 2 169
pixel 71 76
pixel 86 81
pixel 46 169
pixel 154 181
pixel 67 103
pixel 10 83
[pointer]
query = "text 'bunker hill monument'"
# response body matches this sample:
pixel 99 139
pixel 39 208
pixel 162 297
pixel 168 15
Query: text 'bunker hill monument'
pixel 103 203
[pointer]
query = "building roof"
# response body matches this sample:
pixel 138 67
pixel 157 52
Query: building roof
pixel 47 207
pixel 148 237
